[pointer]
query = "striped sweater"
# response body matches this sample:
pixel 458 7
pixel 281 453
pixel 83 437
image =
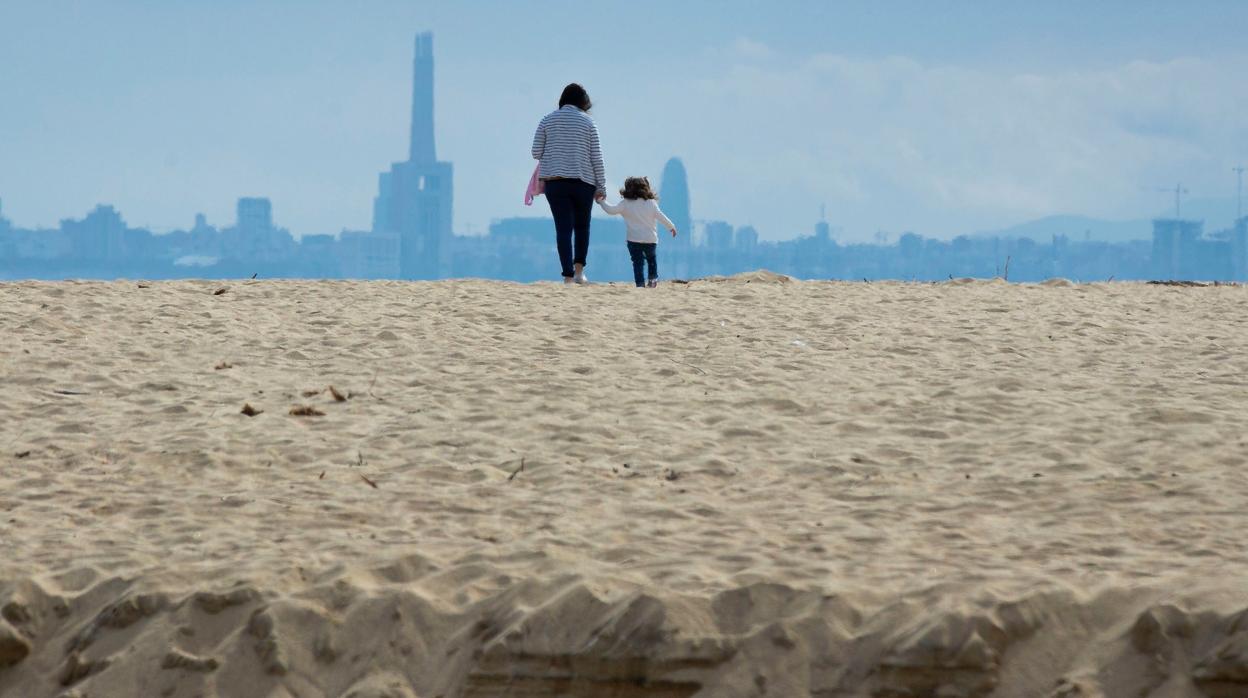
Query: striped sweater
pixel 566 143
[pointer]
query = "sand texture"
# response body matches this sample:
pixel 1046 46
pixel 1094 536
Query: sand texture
pixel 736 487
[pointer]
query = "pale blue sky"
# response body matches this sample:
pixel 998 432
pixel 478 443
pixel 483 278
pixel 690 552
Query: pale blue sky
pixel 935 117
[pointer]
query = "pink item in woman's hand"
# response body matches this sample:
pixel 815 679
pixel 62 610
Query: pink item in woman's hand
pixel 536 186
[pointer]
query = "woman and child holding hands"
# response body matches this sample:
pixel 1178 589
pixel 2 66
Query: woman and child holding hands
pixel 571 175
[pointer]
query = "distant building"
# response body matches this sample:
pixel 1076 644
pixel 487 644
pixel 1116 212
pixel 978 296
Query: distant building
pixel 823 231
pixel 255 214
pixel 99 236
pixel 1239 250
pixel 718 236
pixel 203 240
pixel 368 255
pixel 523 249
pixel 528 231
pixel 674 195
pixel 415 197
pixel 674 200
pixel 318 256
pixel 1175 243
pixel 253 237
pixel 746 239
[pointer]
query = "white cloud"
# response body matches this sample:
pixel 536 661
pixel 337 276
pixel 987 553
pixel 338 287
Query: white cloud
pixel 892 143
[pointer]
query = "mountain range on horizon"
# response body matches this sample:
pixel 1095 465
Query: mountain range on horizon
pixel 1217 214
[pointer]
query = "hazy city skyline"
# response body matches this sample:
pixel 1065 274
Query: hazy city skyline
pixel 896 116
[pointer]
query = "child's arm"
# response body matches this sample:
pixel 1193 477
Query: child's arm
pixel 664 220
pixel 613 210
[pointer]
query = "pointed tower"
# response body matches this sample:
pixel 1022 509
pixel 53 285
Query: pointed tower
pixel 674 200
pixel 414 199
pixel 674 197
pixel 422 147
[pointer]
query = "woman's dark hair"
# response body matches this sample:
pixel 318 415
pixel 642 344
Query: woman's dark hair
pixel 575 95
pixel 637 188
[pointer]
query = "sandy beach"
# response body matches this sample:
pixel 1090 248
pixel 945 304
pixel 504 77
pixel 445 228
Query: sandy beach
pixel 733 487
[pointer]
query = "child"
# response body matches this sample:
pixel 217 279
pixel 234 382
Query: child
pixel 640 209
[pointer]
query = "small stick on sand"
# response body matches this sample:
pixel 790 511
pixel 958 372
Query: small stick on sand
pixel 305 411
pixel 338 397
pixel 359 462
pixel 689 365
pixel 218 292
pixel 517 470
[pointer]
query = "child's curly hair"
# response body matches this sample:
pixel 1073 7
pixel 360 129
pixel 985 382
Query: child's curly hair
pixel 637 188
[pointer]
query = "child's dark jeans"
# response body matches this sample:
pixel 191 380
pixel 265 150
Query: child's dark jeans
pixel 643 253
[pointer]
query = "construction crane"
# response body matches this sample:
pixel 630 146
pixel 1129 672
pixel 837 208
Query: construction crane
pixel 1178 192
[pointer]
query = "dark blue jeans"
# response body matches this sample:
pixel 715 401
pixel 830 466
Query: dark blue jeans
pixel 643 253
pixel 571 202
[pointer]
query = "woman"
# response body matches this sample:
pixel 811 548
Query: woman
pixel 566 144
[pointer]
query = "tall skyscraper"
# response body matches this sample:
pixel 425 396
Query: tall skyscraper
pixel 422 145
pixel 414 198
pixel 674 200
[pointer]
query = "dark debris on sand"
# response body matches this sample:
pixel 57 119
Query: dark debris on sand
pixel 1191 284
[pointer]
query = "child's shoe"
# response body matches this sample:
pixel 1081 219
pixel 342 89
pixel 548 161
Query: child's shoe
pixel 652 283
pixel 580 277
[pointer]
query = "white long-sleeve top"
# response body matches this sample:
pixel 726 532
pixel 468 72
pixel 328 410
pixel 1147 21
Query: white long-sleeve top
pixel 641 217
pixel 566 144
